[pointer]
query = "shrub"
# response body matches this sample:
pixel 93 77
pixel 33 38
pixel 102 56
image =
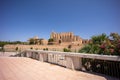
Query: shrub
pixel 66 50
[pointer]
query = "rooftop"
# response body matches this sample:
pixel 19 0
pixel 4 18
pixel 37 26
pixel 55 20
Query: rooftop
pixel 21 68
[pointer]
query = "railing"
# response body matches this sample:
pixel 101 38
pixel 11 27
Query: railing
pixel 105 64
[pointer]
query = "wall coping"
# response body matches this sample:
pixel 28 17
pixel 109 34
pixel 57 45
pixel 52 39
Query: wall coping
pixel 82 55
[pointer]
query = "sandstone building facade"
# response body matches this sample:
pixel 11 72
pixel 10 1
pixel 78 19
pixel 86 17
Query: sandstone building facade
pixel 66 38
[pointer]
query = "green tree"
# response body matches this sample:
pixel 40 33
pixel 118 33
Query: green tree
pixel 115 36
pixel 16 48
pixel 103 44
pixel 94 46
pixel 114 48
pixel 50 40
pixel 31 41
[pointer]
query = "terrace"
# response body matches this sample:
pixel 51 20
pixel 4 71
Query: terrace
pixel 52 65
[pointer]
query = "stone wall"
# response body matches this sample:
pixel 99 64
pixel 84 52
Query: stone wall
pixel 40 47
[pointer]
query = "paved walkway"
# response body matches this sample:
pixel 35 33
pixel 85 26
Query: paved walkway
pixel 20 68
pixel 2 54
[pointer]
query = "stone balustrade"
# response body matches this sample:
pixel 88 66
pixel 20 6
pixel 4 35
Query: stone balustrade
pixel 67 59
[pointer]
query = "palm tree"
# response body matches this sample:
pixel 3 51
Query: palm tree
pixel 97 45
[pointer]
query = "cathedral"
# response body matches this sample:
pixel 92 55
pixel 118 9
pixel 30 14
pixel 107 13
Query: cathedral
pixel 64 38
pixel 67 38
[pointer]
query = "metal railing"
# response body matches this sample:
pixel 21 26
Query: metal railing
pixel 105 64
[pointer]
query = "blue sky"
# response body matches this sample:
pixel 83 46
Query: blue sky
pixel 23 19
